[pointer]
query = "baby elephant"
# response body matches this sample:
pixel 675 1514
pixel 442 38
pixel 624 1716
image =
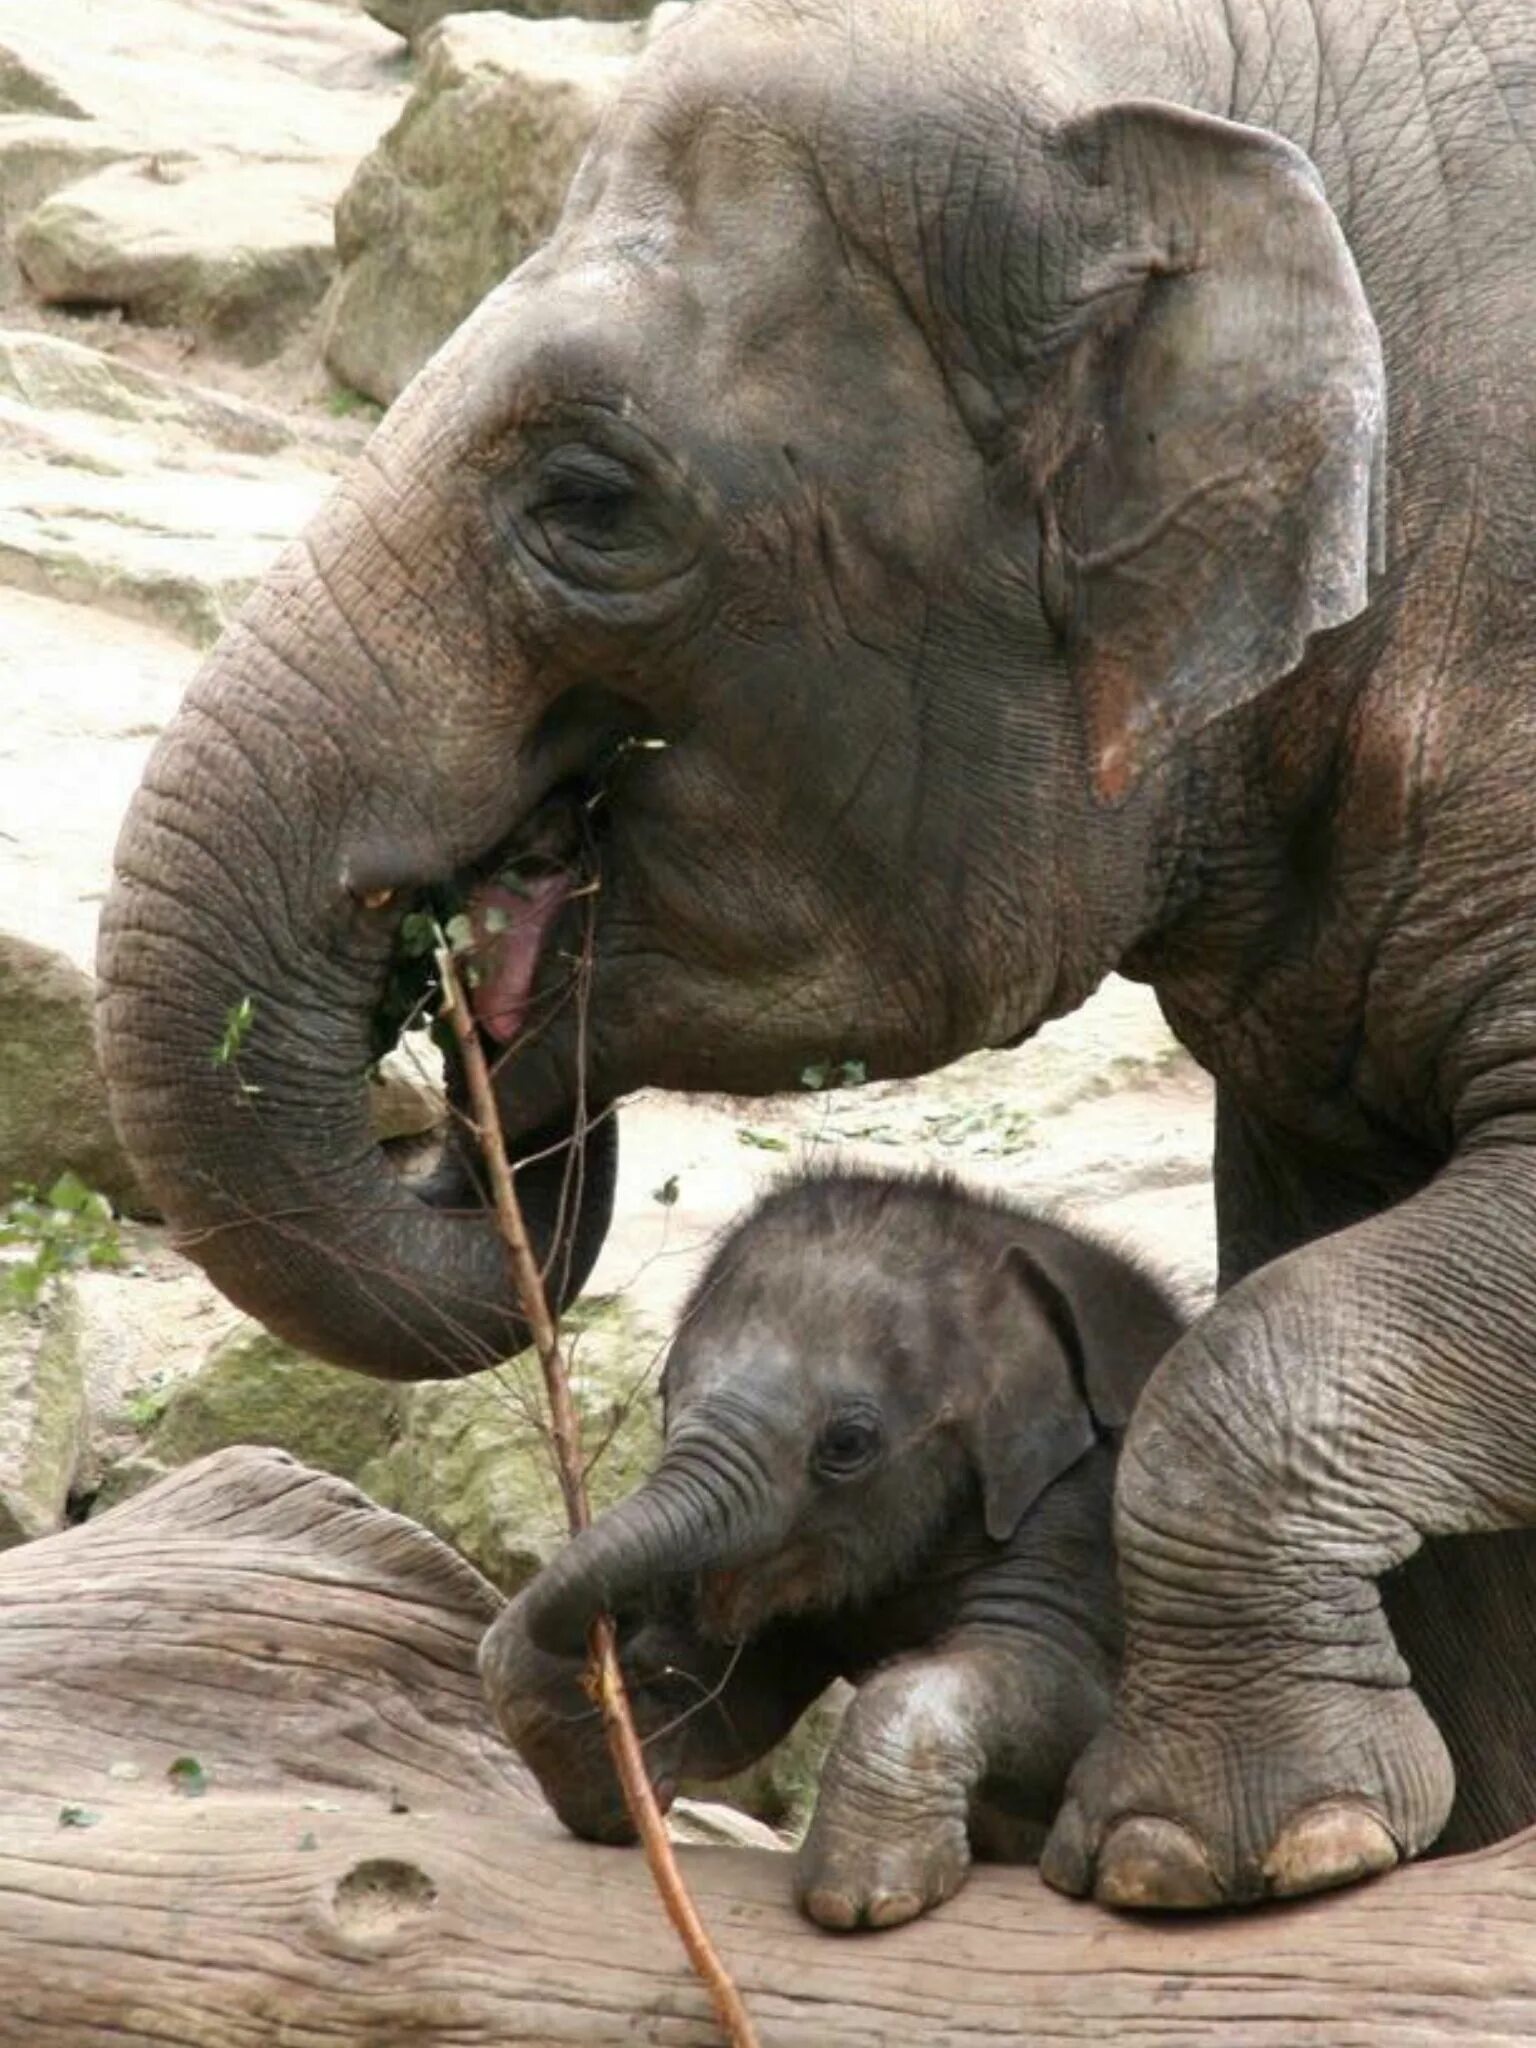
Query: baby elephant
pixel 891 1416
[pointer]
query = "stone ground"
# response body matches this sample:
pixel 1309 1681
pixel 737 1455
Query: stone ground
pixel 149 470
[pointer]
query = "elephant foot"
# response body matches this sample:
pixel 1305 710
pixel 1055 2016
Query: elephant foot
pixel 1286 1791
pixel 849 1877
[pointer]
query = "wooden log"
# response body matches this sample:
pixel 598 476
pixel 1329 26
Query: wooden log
pixel 366 1866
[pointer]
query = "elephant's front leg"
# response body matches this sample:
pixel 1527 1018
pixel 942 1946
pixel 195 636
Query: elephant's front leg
pixel 890 1836
pixel 1334 1409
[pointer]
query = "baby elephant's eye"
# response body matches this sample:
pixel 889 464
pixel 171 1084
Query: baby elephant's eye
pixel 847 1446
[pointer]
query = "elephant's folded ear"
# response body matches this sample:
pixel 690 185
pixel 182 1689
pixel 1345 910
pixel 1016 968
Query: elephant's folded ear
pixel 1209 468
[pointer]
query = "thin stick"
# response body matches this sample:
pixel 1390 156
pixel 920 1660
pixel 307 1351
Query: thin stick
pixel 606 1679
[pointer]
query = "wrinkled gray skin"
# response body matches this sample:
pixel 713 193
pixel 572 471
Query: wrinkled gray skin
pixel 890 1411
pixel 1060 480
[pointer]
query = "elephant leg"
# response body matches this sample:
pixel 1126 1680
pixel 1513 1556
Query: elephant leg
pixel 987 1708
pixel 1461 1611
pixel 1331 1411
pixel 1459 1608
pixel 1274 1194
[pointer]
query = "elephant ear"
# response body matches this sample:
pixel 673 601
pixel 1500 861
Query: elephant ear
pixel 1070 1335
pixel 1208 468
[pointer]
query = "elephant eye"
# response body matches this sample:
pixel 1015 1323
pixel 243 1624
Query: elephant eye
pixel 599 519
pixel 847 1447
pixel 585 492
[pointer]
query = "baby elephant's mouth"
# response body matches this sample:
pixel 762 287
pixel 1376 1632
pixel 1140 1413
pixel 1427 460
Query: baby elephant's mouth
pixel 735 1603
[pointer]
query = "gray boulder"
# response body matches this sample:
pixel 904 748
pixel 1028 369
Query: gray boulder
pixel 237 254
pixel 53 1106
pixel 254 1389
pixel 412 18
pixel 471 1458
pixel 42 1415
pixel 27 87
pixel 469 180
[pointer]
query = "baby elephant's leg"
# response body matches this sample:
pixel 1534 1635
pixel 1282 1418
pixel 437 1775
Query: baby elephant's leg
pixel 890 1834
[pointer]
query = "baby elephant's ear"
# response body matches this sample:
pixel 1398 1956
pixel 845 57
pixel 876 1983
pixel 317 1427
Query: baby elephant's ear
pixel 1072 1333
pixel 1031 1421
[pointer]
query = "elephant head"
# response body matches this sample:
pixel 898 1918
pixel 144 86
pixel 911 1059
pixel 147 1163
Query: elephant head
pixel 861 1359
pixel 852 520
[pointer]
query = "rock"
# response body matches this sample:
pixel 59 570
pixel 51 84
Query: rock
pixel 42 1415
pixel 53 1106
pixel 26 89
pixel 255 1389
pixel 472 1464
pixel 237 254
pixel 52 375
pixel 779 1790
pixel 123 1480
pixel 412 18
pixel 276 78
pixel 405 1097
pixel 41 152
pixel 176 549
pixel 84 695
pixel 468 181
pixel 706 1824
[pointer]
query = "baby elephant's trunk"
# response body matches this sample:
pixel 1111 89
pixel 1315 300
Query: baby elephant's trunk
pixel 700 1510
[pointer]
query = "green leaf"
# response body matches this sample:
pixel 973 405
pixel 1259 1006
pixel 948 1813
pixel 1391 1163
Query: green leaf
pixel 187 1777
pixel 237 1024
pixel 459 932
pixel 70 1192
pixel 418 934
pixel 834 1074
pixel 760 1141
pixel 666 1194
pixel 77 1817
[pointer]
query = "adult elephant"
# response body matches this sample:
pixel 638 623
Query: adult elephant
pixel 959 434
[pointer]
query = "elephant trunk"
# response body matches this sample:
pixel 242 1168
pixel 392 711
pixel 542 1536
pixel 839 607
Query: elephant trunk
pixel 709 1505
pixel 242 965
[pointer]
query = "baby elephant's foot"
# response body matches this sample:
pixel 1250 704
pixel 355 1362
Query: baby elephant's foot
pixel 888 1840
pixel 1290 1790
pixel 851 1877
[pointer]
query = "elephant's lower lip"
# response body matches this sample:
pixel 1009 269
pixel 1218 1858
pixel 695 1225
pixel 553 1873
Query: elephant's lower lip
pixel 509 928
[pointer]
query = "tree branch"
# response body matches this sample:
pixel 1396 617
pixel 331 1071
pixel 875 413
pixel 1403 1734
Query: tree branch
pixel 605 1679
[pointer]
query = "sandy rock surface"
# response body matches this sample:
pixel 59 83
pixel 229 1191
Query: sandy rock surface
pixel 468 181
pixel 412 18
pixel 239 253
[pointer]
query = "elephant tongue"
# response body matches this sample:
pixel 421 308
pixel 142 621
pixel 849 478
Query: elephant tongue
pixel 509 929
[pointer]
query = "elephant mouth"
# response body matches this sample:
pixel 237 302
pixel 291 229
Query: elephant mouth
pixel 733 1603
pixel 498 921
pixel 508 929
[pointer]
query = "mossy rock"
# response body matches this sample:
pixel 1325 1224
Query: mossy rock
pixel 42 1414
pixel 471 1459
pixel 53 1105
pixel 257 1390
pixel 780 1788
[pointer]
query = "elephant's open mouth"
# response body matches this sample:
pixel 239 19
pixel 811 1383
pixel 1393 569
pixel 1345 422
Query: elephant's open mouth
pixel 498 921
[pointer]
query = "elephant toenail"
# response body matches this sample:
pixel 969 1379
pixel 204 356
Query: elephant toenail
pixel 1148 1861
pixel 890 1909
pixel 1329 1845
pixel 1065 1864
pixel 831 1909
